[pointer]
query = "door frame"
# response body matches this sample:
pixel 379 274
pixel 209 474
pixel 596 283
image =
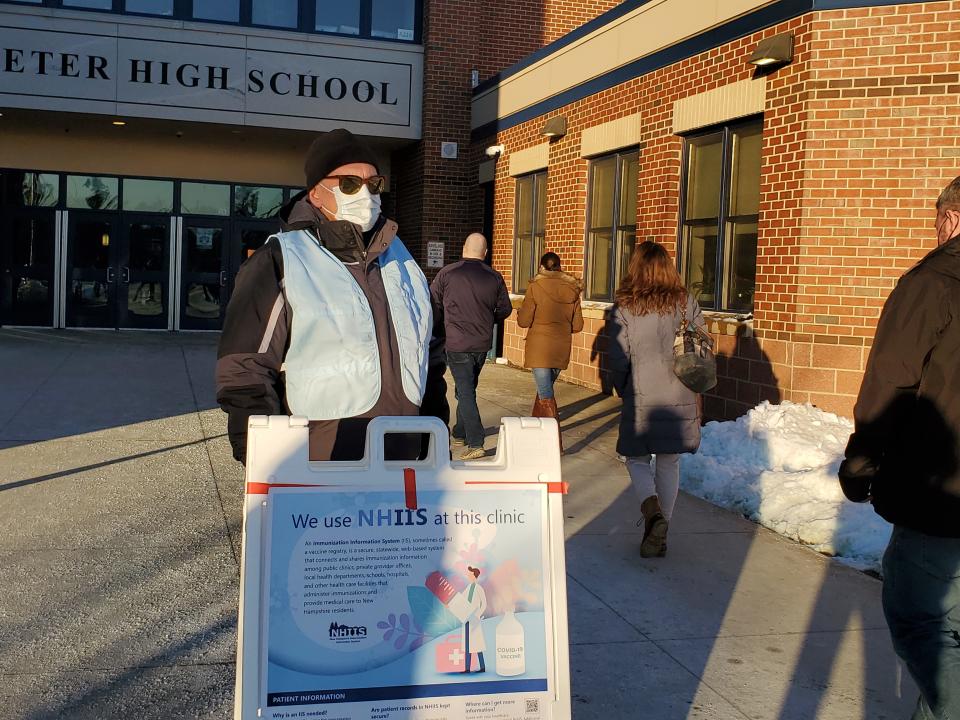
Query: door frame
pixel 226 225
pixel 119 259
pixel 6 257
pixel 114 219
pixel 125 221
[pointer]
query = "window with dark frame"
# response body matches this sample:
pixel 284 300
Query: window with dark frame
pixel 611 221
pixel 275 13
pixel 720 212
pixel 223 10
pixel 530 221
pixel 89 4
pixel 340 17
pixel 164 8
pixel 392 20
pixel 108 193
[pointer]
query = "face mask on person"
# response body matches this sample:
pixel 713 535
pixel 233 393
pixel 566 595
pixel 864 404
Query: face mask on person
pixel 362 208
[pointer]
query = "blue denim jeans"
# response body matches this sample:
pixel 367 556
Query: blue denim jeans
pixel 544 378
pixel 921 601
pixel 465 368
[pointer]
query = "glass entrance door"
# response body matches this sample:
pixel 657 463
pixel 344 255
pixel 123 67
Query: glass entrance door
pixel 144 272
pixel 27 267
pixel 203 273
pixel 118 270
pixel 247 237
pixel 92 263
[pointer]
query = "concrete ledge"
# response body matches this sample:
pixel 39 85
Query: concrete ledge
pixel 590 308
pixel 721 323
pixel 530 160
pixel 610 136
pixel 729 102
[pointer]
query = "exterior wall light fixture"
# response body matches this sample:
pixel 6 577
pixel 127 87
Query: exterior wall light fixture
pixel 776 50
pixel 555 127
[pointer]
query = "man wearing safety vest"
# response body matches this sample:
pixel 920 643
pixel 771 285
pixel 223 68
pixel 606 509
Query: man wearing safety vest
pixel 331 318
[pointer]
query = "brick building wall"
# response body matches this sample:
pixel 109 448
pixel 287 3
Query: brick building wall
pixel 435 197
pixel 860 134
pixel 883 141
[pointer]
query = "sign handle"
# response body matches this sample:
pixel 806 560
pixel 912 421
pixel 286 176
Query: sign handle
pixel 382 426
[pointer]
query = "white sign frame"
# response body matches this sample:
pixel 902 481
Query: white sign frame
pixel 527 458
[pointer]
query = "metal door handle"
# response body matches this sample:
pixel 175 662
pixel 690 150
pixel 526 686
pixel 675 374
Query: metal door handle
pixel 125 275
pixel 111 275
pixel 223 278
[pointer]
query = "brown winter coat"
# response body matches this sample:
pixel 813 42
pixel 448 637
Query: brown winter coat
pixel 551 309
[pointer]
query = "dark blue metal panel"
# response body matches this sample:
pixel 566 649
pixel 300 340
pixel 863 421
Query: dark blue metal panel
pixel 740 27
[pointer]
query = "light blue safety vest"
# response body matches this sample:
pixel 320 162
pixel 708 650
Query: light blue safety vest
pixel 333 362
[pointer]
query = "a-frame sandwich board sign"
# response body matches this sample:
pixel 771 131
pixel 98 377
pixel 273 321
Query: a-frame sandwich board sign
pixel 403 590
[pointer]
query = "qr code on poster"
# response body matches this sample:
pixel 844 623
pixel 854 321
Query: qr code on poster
pixel 533 705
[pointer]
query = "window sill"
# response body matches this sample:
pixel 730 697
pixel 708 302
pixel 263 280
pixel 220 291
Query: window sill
pixel 595 309
pixel 720 323
pixel 729 323
pixel 727 316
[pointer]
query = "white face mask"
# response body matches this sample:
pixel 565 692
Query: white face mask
pixel 362 208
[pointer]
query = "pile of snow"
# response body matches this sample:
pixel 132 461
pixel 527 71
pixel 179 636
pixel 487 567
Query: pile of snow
pixel 777 465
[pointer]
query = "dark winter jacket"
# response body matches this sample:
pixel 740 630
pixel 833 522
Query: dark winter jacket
pixel 256 336
pixel 905 448
pixel 660 414
pixel 469 297
pixel 551 309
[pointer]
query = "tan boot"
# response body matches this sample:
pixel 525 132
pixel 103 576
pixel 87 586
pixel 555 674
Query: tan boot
pixel 655 525
pixel 538 411
pixel 550 410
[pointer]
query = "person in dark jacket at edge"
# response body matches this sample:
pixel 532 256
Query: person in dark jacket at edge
pixel 469 298
pixel 331 319
pixel 903 457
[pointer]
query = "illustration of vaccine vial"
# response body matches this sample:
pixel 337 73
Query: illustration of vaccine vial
pixel 511 656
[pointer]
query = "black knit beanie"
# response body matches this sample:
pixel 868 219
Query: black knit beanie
pixel 333 149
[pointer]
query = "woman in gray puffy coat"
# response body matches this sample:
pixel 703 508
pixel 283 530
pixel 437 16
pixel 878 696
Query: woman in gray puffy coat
pixel 660 415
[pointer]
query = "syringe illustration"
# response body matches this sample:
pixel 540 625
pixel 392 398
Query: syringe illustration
pixel 442 588
pixel 446 593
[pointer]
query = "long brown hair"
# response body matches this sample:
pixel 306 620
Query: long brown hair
pixel 652 283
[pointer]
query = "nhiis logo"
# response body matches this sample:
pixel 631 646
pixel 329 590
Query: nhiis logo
pixel 347 632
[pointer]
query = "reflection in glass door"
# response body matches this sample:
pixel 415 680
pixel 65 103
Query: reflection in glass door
pixel 92 247
pixel 27 262
pixel 250 236
pixel 247 237
pixel 144 272
pixel 203 274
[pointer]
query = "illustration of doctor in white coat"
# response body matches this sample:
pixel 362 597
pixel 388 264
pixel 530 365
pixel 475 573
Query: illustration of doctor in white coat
pixel 472 633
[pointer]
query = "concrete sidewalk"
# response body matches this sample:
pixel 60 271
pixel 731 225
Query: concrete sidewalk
pixel 121 509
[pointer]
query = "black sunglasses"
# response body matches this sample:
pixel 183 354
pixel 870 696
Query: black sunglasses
pixel 351 184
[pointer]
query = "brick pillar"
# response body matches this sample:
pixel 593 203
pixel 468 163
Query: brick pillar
pixel 434 193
